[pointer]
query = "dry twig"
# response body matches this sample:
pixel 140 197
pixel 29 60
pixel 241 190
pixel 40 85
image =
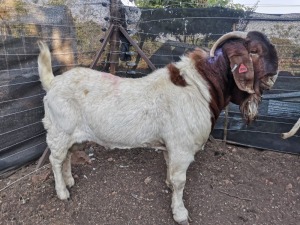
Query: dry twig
pixel 234 196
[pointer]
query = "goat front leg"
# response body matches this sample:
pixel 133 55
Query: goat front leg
pixel 179 162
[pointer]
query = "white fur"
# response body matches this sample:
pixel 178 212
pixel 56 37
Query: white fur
pixel 87 105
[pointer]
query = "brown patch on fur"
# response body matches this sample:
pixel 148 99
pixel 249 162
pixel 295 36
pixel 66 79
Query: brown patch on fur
pixel 175 76
pixel 78 79
pixel 85 92
pixel 198 54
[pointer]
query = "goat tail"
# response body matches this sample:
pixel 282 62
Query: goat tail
pixel 44 66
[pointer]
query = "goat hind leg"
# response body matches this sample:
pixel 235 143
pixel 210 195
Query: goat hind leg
pixel 60 185
pixel 66 170
pixel 59 145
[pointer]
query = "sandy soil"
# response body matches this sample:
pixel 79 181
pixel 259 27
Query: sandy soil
pixel 226 185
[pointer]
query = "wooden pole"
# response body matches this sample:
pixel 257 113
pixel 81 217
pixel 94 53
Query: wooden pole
pixel 115 38
pixel 43 158
pixel 101 50
pixel 225 124
pixel 141 53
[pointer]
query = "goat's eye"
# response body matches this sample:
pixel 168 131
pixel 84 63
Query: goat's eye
pixel 253 51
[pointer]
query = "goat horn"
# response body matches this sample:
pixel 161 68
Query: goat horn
pixel 233 34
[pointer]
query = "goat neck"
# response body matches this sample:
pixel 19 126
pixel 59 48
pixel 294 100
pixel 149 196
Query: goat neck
pixel 217 72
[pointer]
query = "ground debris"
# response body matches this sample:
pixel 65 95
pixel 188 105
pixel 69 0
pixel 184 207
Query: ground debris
pixel 219 190
pixel 140 197
pixel 234 196
pixel 40 178
pixel 80 157
pixel 147 180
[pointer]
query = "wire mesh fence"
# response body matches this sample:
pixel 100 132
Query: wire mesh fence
pixel 163 35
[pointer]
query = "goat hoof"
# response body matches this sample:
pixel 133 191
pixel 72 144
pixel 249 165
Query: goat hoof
pixel 63 194
pixel 168 183
pixel 185 222
pixel 70 182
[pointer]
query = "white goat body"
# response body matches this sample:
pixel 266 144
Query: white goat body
pixel 173 108
pixel 86 105
pixel 123 113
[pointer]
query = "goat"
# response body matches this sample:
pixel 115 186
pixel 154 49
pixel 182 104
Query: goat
pixel 173 108
pixel 293 131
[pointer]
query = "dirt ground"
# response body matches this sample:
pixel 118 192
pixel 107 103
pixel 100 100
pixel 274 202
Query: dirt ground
pixel 225 185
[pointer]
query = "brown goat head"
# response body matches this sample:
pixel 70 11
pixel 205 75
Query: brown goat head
pixel 265 61
pixel 254 63
pixel 265 65
pixel 241 66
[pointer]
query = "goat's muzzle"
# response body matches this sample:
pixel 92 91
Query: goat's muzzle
pixel 268 81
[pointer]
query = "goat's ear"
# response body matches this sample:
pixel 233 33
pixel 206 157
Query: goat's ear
pixel 241 66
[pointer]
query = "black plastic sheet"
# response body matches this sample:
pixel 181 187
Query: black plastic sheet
pixel 22 135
